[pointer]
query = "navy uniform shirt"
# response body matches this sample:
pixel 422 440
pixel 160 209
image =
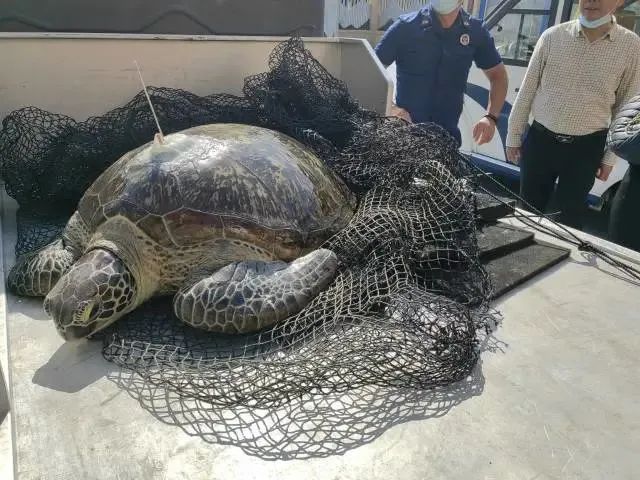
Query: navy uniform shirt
pixel 433 63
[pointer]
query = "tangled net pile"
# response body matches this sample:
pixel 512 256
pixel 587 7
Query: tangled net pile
pixel 404 312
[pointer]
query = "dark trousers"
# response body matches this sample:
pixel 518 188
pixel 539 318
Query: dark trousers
pixel 574 164
pixel 624 222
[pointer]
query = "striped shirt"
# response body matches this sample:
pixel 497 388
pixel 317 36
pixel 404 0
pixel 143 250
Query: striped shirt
pixel 573 86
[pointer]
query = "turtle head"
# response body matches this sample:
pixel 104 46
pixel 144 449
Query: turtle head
pixel 94 293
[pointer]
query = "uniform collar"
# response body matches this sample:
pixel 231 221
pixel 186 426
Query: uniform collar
pixel 430 18
pixel 575 28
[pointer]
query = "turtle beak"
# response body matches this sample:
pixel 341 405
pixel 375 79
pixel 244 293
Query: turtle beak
pixel 75 333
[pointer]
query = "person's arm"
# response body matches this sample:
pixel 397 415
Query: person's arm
pixel 519 117
pixel 488 59
pixel 387 47
pixel 484 130
pixel 498 85
pixel 629 86
pixel 387 52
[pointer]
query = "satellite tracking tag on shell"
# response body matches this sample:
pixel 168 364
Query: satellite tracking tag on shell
pixel 159 137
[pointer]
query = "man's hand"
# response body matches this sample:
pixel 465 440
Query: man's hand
pixel 603 172
pixel 396 111
pixel 483 131
pixel 513 155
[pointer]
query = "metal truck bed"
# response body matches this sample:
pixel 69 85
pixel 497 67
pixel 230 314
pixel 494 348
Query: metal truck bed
pixel 554 396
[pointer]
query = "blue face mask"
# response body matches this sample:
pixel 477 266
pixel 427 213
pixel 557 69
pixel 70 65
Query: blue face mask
pixel 445 6
pixel 598 22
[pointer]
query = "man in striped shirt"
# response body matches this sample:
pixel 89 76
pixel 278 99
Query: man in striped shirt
pixel 580 73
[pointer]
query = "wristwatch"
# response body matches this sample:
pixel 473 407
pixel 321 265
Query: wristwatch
pixel 492 117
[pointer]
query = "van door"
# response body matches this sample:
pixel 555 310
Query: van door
pixel 515 26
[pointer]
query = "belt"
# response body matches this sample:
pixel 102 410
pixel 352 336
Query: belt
pixel 561 138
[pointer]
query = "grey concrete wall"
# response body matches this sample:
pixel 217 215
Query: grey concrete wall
pixel 4 346
pixel 83 75
pixel 4 396
pixel 190 17
pixel 6 438
pixel 364 74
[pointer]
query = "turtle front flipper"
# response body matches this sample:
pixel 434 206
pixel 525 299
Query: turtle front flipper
pixel 36 273
pixel 250 295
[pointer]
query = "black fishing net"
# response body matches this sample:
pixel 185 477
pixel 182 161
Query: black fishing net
pixel 623 137
pixel 402 319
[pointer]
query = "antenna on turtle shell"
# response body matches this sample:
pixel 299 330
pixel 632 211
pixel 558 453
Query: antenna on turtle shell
pixel 159 137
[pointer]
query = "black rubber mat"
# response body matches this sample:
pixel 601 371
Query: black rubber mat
pixel 491 209
pixel 519 266
pixel 496 240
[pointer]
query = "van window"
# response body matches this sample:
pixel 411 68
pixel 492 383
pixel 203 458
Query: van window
pixel 517 29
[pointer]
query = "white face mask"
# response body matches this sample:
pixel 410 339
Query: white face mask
pixel 445 6
pixel 598 22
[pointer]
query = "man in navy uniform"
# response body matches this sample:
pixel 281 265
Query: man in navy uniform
pixel 433 49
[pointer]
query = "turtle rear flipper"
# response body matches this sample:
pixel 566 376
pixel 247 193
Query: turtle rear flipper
pixel 36 273
pixel 250 295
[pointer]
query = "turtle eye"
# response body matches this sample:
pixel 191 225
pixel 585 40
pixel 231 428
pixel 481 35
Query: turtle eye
pixel 86 312
pixel 92 311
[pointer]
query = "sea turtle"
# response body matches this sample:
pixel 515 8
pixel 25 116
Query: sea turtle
pixel 228 218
